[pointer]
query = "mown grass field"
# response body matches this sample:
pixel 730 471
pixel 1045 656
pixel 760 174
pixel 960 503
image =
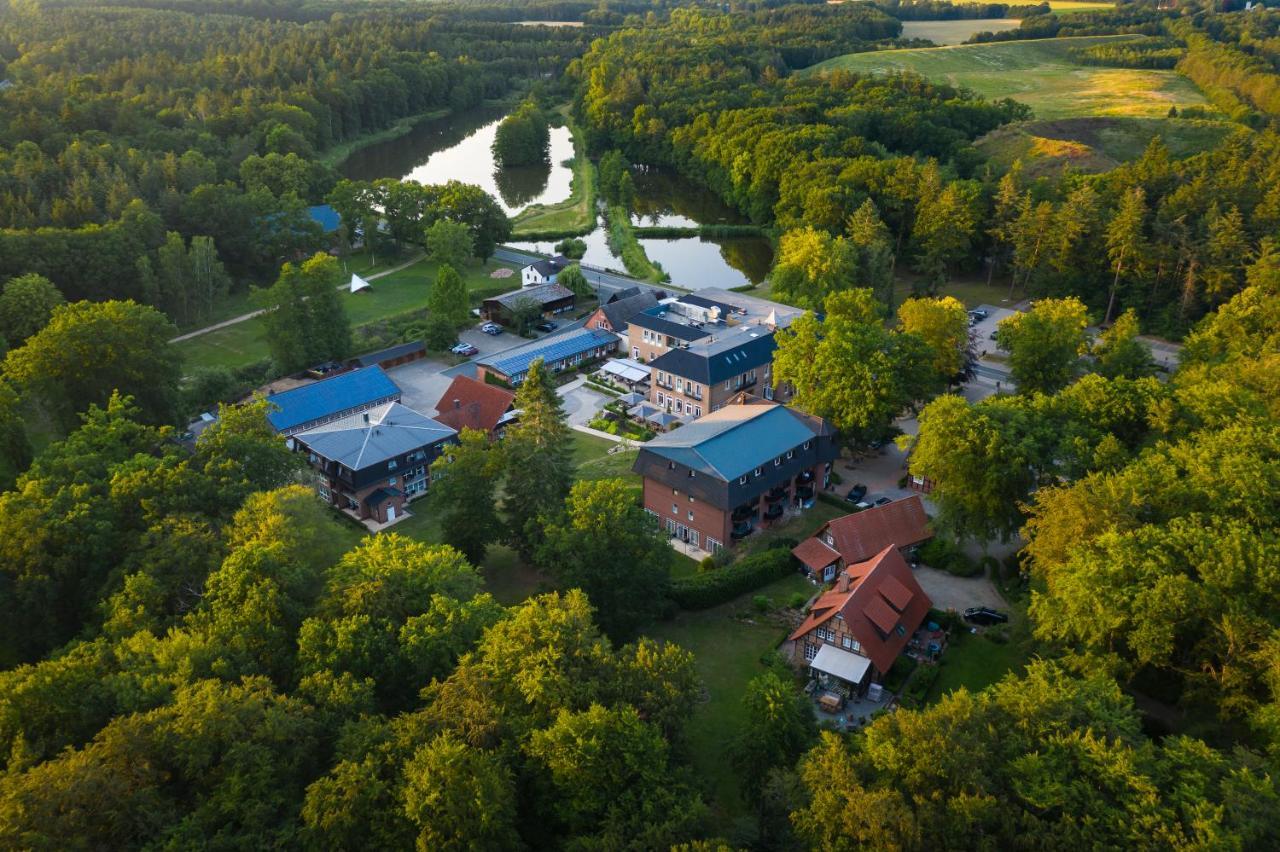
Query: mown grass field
pixel 1040 74
pixel 1066 7
pixel 956 32
pixel 1095 145
pixel 245 342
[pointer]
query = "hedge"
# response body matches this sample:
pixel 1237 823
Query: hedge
pixel 710 588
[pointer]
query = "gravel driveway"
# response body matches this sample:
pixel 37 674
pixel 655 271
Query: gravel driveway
pixel 959 593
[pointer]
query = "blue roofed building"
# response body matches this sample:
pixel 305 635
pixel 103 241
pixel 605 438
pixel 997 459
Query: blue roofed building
pixel 325 216
pixel 558 351
pixel 372 463
pixel 742 467
pixel 322 402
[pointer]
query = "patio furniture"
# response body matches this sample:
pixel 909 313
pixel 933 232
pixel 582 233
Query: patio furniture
pixel 830 702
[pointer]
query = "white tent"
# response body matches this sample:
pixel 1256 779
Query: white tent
pixel 358 283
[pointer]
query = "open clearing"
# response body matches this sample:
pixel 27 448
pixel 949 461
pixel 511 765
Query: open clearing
pixel 956 32
pixel 1095 145
pixel 406 290
pixel 1040 74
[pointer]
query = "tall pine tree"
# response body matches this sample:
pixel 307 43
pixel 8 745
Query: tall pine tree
pixel 538 457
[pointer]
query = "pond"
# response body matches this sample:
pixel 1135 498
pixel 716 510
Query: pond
pixel 457 147
pixel 664 199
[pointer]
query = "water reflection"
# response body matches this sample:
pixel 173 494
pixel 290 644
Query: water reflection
pixel 457 147
pixel 664 199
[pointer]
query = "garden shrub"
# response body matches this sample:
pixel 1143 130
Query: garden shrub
pixel 761 603
pixel 899 672
pixel 705 590
pixel 943 554
pixel 708 563
pixel 797 600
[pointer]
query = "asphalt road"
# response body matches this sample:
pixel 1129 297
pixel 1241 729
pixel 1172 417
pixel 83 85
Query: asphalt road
pixel 605 282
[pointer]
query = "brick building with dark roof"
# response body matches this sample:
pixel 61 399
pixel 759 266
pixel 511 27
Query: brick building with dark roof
pixel 720 477
pixel 854 538
pixel 854 632
pixel 471 404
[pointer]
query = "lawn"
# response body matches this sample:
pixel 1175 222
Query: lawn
pixel 245 342
pixel 728 643
pixel 1039 73
pixel 975 661
pixel 1095 145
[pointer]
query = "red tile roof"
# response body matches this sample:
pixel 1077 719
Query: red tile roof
pixel 473 404
pixel 882 607
pixel 814 553
pixel 862 535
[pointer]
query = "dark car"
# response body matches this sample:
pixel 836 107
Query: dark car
pixel 883 500
pixel 856 493
pixel 985 616
pixel 546 325
pixel 741 529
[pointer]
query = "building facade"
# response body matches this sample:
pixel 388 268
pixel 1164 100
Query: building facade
pixel 854 632
pixel 543 271
pixel 370 465
pixel 717 479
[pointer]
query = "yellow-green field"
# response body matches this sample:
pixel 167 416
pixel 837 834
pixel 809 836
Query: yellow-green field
pixel 956 32
pixel 1066 7
pixel 1094 145
pixel 1040 74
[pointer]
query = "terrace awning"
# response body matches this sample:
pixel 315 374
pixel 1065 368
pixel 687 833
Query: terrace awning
pixel 626 369
pixel 850 668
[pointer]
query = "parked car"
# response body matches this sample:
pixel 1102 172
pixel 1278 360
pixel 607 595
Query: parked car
pixel 985 616
pixel 856 493
pixel 861 505
pixel 464 349
pixel 978 314
pixel 546 325
pixel 880 501
pixel 491 328
pixel 741 529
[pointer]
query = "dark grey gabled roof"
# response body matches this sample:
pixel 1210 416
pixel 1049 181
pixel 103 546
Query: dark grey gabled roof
pixel 740 349
pixel 651 319
pixel 620 312
pixel 543 294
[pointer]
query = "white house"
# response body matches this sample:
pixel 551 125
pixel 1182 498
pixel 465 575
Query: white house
pixel 543 272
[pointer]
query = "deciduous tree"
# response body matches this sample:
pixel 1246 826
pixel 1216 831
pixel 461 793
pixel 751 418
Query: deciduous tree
pixel 464 486
pixel 1045 344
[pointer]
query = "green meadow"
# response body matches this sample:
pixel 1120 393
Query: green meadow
pixel 1040 74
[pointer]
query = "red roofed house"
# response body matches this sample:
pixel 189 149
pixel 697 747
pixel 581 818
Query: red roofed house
pixel 856 630
pixel 858 537
pixel 472 404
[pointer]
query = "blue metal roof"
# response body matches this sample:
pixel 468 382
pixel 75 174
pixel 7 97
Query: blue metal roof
pixel 515 362
pixel 325 216
pixel 734 440
pixel 331 396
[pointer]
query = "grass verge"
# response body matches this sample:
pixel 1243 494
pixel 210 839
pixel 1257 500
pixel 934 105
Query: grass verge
pixel 335 154
pixel 623 241
pixel 575 215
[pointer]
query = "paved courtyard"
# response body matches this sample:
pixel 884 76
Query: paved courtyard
pixel 959 593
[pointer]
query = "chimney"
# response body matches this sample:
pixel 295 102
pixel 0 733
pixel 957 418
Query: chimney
pixel 457 403
pixel 842 582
